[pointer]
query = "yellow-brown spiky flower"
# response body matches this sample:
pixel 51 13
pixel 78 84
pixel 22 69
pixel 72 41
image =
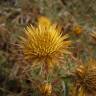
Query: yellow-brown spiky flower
pixel 86 78
pixel 77 30
pixel 44 44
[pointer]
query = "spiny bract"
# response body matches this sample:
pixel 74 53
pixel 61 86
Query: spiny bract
pixel 44 44
pixel 93 35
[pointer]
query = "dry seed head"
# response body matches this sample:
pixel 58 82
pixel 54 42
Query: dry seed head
pixel 86 76
pixel 44 44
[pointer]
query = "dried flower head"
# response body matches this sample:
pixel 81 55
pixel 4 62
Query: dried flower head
pixel 44 44
pixel 46 89
pixel 86 77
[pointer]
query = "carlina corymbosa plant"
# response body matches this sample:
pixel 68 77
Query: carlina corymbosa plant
pixel 85 79
pixel 44 45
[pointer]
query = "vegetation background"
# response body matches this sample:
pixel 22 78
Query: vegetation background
pixel 16 14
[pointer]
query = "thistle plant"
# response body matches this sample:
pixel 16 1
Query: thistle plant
pixel 85 76
pixel 44 44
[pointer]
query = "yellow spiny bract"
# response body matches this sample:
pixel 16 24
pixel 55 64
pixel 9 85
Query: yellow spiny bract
pixel 44 44
pixel 86 77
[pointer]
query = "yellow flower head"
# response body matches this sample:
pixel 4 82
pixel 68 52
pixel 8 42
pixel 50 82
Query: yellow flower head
pixel 46 89
pixel 77 30
pixel 44 44
pixel 43 21
pixel 86 77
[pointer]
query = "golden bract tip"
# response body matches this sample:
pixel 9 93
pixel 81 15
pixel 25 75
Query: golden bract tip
pixel 44 44
pixel 86 76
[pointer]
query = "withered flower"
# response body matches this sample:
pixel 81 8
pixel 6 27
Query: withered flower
pixel 85 77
